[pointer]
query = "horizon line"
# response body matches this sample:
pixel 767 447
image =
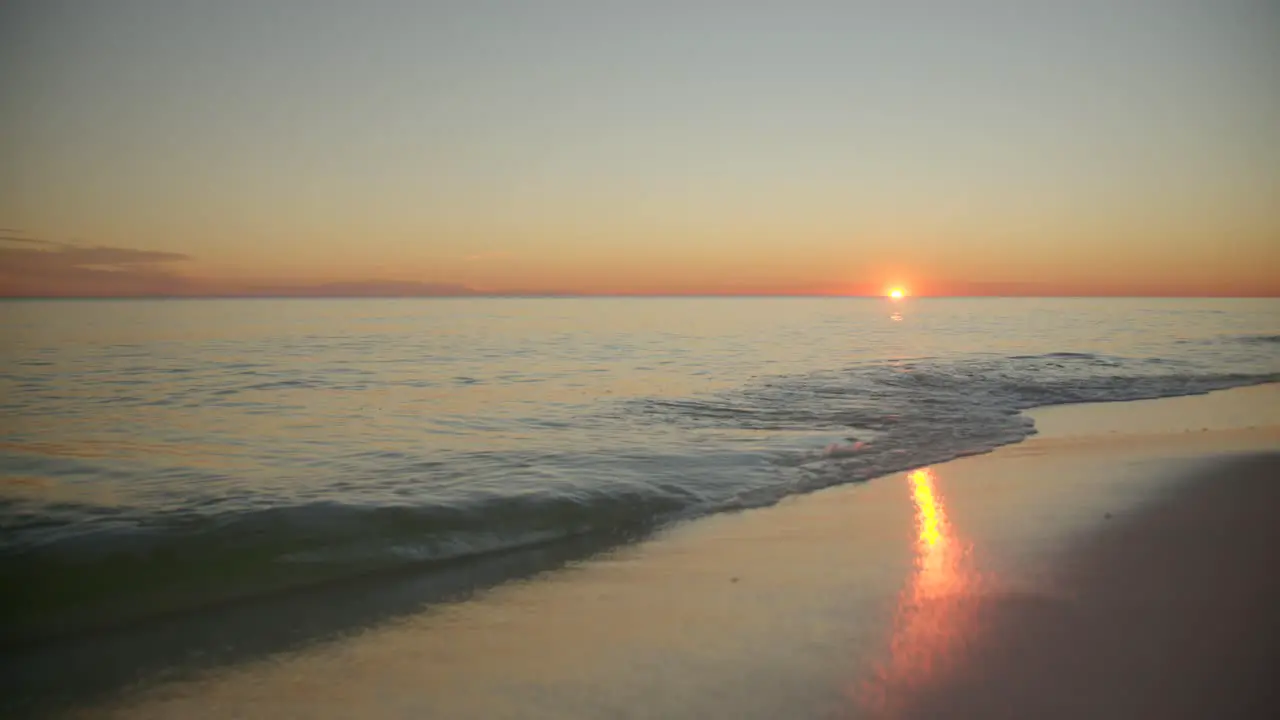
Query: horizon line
pixel 639 296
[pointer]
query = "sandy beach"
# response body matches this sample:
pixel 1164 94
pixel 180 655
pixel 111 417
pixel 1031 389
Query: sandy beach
pixel 577 359
pixel 1116 565
pixel 1171 612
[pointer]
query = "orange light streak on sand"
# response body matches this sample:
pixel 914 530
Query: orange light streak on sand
pixel 931 517
pixel 934 616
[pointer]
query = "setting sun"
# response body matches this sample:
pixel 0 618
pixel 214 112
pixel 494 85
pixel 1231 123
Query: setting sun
pixel 897 293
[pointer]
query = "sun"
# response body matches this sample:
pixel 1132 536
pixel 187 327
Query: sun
pixel 897 293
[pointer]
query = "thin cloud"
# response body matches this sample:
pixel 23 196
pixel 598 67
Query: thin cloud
pixel 45 268
pixel 63 269
pixel 118 257
pixel 34 267
pixel 17 236
pixel 74 255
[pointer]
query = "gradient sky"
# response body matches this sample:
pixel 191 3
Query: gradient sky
pixel 1020 147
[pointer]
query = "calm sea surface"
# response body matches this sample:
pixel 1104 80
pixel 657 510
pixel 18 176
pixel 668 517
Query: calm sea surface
pixel 156 455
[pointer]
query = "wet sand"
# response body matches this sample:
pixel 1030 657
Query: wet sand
pixel 1173 611
pixel 1117 566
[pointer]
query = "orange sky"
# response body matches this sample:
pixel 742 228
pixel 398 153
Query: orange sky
pixel 157 148
pixel 31 269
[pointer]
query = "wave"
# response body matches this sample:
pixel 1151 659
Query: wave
pixel 151 566
pixel 1259 339
pixel 1256 340
pixel 911 414
pixel 891 417
pixel 1061 355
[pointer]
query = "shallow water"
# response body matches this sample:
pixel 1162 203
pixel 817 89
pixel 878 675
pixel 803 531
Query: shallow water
pixel 160 455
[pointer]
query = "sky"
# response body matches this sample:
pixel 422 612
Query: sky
pixel 1019 147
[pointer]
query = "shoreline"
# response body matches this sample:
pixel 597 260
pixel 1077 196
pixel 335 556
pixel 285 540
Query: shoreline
pixel 83 624
pixel 784 611
pixel 1019 506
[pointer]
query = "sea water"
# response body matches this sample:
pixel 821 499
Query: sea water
pixel 161 456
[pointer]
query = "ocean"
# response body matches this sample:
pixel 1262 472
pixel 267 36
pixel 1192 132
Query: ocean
pixel 161 457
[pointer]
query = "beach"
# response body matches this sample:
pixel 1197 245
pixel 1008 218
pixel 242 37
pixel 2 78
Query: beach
pixel 1115 565
pixel 579 360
